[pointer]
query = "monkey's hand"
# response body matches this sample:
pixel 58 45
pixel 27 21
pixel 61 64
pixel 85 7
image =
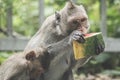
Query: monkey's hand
pixel 76 35
pixel 100 48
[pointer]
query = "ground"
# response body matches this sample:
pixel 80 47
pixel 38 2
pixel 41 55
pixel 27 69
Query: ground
pixel 94 77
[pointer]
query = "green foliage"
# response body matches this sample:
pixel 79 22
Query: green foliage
pixel 111 72
pixel 113 15
pixel 26 17
pixel 106 63
pixel 102 57
pixel 4 56
pixel 26 22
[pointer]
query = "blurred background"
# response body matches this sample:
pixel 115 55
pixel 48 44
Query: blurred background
pixel 20 20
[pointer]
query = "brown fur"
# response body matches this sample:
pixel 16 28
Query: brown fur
pixel 56 28
pixel 70 19
pixel 24 67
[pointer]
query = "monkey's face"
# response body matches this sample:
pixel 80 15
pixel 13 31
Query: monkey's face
pixel 36 69
pixel 77 18
pixel 34 63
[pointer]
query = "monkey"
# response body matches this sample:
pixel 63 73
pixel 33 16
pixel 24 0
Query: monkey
pixel 58 27
pixel 61 66
pixel 25 67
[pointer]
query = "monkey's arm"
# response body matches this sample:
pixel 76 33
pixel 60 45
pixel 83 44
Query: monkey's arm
pixel 65 45
pixel 62 59
pixel 56 48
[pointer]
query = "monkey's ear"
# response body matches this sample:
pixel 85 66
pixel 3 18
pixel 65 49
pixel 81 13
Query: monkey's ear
pixel 57 16
pixel 70 4
pixel 30 56
pixel 57 23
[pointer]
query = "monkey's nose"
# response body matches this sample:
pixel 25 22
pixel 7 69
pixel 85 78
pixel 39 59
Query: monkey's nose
pixel 80 29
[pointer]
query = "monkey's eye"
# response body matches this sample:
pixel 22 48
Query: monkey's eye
pixel 76 22
pixel 83 19
pixel 58 18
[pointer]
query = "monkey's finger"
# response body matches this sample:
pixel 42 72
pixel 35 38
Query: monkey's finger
pixel 76 37
pixel 99 49
pixel 78 33
pixel 81 39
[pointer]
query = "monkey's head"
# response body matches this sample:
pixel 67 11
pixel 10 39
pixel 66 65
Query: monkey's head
pixel 26 66
pixel 72 17
pixel 36 59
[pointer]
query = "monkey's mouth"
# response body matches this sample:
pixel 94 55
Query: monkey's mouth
pixel 80 29
pixel 83 30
